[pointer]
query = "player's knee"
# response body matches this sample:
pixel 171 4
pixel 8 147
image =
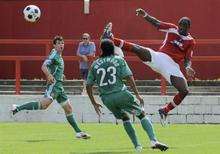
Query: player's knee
pixel 45 103
pixel 44 106
pixel 68 108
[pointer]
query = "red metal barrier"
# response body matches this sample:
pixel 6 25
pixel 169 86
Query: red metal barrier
pixel 18 59
pixel 47 43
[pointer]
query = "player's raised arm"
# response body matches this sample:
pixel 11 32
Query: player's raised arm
pixel 141 12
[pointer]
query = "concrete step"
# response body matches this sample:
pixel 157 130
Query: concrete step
pixel 74 87
pixel 140 88
pixel 138 82
pixel 96 93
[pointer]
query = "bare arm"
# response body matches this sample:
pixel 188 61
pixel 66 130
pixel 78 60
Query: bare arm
pixel 131 82
pixel 91 54
pixel 47 73
pixel 155 22
pixel 189 70
pixel 92 99
pixel 90 93
pixel 187 61
pixel 78 53
pixel 82 57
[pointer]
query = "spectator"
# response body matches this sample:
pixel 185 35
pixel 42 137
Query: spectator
pixel 86 49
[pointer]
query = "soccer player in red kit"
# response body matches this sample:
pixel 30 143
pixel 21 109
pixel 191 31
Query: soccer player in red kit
pixel 177 46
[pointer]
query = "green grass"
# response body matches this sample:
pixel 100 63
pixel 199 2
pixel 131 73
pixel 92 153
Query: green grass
pixel 55 138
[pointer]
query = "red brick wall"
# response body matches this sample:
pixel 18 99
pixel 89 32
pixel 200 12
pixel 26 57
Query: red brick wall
pixel 65 17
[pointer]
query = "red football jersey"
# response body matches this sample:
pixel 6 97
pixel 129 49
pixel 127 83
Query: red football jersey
pixel 175 45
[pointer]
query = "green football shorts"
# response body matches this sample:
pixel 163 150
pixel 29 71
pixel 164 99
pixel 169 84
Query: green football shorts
pixel 56 91
pixel 121 103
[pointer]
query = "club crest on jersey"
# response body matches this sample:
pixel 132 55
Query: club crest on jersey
pixel 178 44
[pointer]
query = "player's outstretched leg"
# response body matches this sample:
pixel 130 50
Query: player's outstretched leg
pixel 107 33
pixel 69 116
pixel 27 106
pixel 181 85
pixel 34 105
pixel 142 52
pixel 148 127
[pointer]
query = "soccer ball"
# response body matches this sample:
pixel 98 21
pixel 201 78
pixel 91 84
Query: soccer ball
pixel 31 13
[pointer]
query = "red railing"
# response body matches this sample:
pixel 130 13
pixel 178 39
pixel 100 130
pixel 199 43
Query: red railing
pixel 47 44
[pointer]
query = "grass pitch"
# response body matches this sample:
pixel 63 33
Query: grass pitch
pixel 56 138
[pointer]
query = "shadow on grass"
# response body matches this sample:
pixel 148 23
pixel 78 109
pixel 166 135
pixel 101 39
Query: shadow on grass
pixel 36 141
pixel 103 152
pixel 127 151
pixel 117 151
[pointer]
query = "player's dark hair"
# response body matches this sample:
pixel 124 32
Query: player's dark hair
pixel 57 38
pixel 107 47
pixel 186 19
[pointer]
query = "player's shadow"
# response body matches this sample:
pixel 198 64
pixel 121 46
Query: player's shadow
pixel 119 152
pixel 36 141
pixel 125 151
pixel 103 152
